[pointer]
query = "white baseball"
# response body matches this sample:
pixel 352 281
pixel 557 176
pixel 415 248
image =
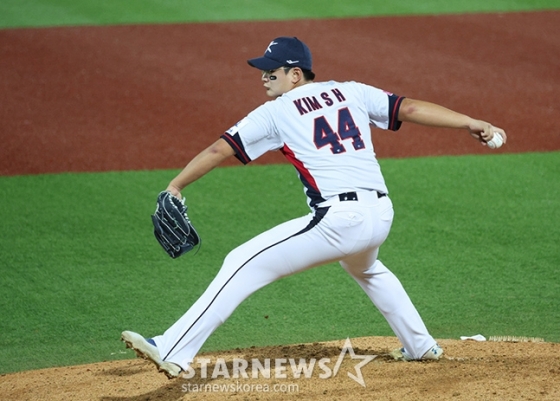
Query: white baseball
pixel 496 141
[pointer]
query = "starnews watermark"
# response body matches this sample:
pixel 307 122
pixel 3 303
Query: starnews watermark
pixel 267 368
pixel 239 387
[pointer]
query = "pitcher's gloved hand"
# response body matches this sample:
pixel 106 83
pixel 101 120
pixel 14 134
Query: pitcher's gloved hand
pixel 172 227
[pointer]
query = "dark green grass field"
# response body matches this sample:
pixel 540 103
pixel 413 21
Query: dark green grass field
pixel 475 238
pixel 475 242
pixel 17 13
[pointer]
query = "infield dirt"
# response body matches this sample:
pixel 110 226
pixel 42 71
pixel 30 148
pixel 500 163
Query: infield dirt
pixel 147 97
pixel 469 371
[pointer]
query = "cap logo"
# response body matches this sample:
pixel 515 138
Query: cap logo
pixel 271 44
pixel 292 61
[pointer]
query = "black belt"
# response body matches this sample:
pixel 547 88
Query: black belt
pixel 353 196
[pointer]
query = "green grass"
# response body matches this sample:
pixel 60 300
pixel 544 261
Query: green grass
pixel 35 13
pixel 475 242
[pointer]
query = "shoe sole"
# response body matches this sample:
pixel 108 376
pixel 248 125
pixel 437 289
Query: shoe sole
pixel 169 369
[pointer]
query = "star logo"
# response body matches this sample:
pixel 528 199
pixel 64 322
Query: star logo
pixel 271 44
pixel 358 378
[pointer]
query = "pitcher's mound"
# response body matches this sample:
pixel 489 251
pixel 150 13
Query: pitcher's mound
pixel 339 370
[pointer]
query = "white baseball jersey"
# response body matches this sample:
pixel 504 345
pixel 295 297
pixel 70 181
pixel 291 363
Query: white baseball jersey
pixel 323 129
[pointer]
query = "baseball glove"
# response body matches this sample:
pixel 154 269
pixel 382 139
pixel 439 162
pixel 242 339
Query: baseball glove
pixel 172 227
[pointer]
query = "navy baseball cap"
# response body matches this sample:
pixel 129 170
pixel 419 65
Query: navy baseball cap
pixel 284 52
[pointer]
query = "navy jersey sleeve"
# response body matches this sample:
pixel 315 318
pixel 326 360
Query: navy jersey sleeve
pixel 235 142
pixel 394 106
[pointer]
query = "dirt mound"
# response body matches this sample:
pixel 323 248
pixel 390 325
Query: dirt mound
pixel 470 370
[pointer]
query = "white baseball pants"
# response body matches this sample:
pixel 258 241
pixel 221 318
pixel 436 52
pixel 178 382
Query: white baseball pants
pixel 350 232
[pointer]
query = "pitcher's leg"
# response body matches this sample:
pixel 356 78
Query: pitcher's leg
pixel 286 249
pixel 388 295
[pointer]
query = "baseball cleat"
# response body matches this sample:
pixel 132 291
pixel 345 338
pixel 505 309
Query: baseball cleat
pixel 146 349
pixel 141 346
pixel 170 369
pixel 433 354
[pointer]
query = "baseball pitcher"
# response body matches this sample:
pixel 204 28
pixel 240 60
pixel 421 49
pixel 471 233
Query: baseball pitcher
pixel 323 130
